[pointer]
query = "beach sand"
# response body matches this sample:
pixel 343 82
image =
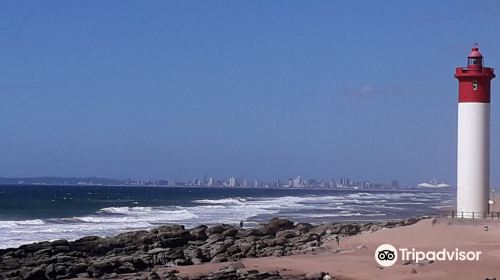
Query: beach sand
pixel 355 260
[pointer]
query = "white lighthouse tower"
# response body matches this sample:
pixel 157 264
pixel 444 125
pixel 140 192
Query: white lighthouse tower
pixel 473 153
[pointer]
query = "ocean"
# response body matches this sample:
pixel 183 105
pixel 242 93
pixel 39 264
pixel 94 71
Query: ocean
pixel 38 213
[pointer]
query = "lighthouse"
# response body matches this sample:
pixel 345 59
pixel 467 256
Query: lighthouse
pixel 473 149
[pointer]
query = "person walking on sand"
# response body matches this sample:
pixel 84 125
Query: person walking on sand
pixel 337 238
pixel 327 276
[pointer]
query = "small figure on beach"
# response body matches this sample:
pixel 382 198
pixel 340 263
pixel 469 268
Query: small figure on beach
pixel 337 238
pixel 241 223
pixel 327 276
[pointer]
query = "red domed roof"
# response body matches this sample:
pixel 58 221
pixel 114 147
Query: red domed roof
pixel 475 52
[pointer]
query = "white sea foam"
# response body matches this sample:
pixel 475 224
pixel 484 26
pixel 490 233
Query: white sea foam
pixel 226 201
pixel 12 224
pixel 111 220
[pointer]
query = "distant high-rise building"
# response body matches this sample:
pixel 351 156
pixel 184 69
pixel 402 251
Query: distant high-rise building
pixel 312 183
pixel 163 182
pixel 210 182
pixel 332 184
pixel 297 182
pixel 232 182
pixel 345 182
pixel 395 184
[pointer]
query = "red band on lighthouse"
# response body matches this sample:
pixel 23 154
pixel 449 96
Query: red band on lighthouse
pixel 474 80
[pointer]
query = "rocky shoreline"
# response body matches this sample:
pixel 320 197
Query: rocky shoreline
pixel 136 255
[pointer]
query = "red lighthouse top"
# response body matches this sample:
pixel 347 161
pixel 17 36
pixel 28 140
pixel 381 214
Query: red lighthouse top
pixel 475 52
pixel 474 80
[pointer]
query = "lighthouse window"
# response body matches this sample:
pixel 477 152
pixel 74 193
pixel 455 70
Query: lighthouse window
pixel 474 85
pixel 474 60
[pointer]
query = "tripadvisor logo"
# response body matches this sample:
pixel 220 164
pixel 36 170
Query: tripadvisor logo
pixel 387 255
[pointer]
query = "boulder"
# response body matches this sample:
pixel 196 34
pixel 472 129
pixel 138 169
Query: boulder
pixel 218 248
pixel 126 267
pixel 303 227
pixel 171 242
pixel 219 258
pixel 275 225
pixel 168 229
pixel 350 229
pixel 154 276
pixel 216 237
pixel 99 268
pixel 283 236
pixel 140 263
pixel 323 229
pixel 165 255
pixel 79 268
pixel 249 232
pixel 193 253
pixel 233 249
pixel 232 232
pixel 410 221
pixel 37 273
pixel 199 232
pixel 217 229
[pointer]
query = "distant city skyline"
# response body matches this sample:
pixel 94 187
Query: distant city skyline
pixel 253 89
pixel 231 182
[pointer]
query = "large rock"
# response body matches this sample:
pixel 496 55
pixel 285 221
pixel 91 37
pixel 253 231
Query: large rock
pixel 218 248
pixel 79 268
pixel 168 229
pixel 217 229
pixel 231 232
pixel 165 255
pixel 154 276
pixel 192 252
pixel 323 229
pixel 275 225
pixel 199 232
pixel 37 273
pixel 215 238
pixel 283 236
pixel 99 268
pixel 350 229
pixel 126 267
pixel 249 232
pixel 219 258
pixel 410 221
pixel 303 227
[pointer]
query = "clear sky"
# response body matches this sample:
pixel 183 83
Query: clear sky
pixel 261 89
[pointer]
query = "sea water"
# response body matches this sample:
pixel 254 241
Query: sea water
pixel 39 213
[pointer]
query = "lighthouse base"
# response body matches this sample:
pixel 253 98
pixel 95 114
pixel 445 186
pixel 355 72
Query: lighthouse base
pixel 473 161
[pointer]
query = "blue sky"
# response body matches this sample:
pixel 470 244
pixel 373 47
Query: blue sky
pixel 261 89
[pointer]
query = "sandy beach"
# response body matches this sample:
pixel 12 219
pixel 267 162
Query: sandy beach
pixel 355 259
